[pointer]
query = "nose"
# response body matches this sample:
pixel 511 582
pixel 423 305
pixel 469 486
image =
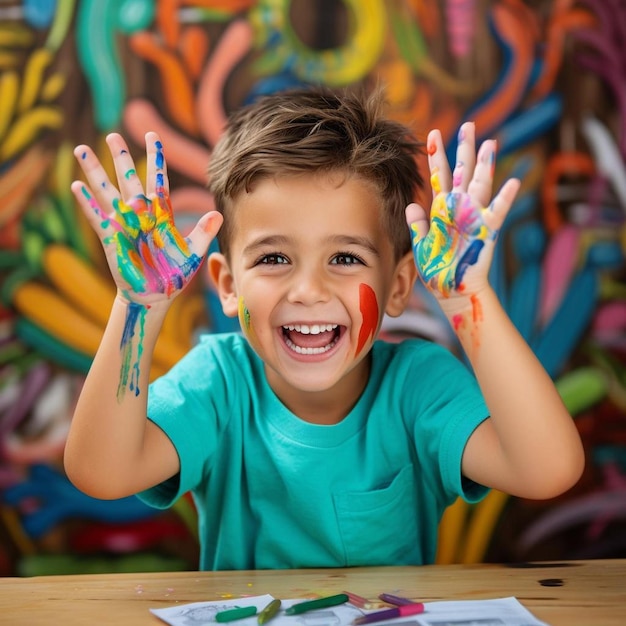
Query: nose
pixel 308 286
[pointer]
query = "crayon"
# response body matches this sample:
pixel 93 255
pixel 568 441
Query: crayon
pixel 320 603
pixel 268 612
pixel 381 616
pixel 363 603
pixel 395 600
pixel 233 614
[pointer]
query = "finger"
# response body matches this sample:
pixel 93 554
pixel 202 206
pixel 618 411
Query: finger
pixel 103 224
pixel 465 157
pixel 157 181
pixel 204 232
pixel 129 184
pixel 100 186
pixel 417 220
pixel 440 178
pixel 495 214
pixel 481 185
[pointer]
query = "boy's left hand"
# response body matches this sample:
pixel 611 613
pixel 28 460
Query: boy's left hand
pixel 453 249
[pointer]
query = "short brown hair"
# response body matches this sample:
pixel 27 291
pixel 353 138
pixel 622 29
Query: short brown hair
pixel 317 130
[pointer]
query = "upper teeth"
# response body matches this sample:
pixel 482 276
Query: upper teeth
pixel 316 329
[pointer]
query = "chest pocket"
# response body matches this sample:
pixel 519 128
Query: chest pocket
pixel 379 527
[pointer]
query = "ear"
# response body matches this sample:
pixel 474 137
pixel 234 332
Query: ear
pixel 222 279
pixel 402 285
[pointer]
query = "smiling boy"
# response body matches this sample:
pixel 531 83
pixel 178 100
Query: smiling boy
pixel 310 282
pixel 305 440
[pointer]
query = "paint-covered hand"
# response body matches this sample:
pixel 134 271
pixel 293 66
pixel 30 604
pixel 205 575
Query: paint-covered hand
pixel 454 246
pixel 149 259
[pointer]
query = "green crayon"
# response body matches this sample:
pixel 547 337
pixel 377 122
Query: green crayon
pixel 233 614
pixel 320 603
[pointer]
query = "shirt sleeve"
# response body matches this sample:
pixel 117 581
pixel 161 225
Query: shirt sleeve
pixel 183 404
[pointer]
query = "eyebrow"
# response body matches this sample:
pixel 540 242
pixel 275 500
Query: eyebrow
pixel 263 242
pixel 351 240
pixel 339 240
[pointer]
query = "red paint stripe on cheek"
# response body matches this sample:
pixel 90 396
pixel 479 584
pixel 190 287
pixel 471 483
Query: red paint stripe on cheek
pixel 369 310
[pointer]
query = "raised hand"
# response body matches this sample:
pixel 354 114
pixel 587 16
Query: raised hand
pixel 149 259
pixel 454 246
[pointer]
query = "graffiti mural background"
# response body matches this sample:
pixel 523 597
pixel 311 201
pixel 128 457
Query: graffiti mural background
pixel 546 78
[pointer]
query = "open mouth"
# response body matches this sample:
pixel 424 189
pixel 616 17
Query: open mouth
pixel 311 339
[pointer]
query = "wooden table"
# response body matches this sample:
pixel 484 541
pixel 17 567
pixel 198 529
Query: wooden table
pixel 572 593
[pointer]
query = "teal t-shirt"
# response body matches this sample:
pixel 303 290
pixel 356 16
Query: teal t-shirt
pixel 273 491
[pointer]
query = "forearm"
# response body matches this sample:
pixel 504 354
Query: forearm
pixel 113 450
pixel 534 439
pixel 109 428
pixel 530 446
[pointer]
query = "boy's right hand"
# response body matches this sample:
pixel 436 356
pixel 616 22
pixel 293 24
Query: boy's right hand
pixel 149 259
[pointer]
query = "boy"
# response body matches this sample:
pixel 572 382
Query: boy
pixel 305 441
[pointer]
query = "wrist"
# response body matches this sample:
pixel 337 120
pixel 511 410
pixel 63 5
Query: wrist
pixel 154 310
pixel 467 305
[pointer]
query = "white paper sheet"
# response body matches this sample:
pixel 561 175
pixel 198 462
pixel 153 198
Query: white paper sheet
pixel 496 612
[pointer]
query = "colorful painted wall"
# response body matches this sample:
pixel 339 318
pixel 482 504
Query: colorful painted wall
pixel 546 78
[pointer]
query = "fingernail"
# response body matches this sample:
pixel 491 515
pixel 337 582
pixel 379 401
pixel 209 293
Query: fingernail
pixel 207 226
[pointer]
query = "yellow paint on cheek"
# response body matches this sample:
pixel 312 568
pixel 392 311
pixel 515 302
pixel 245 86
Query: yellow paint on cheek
pixel 244 316
pixel 245 321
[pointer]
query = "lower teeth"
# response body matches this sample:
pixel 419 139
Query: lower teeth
pixel 301 350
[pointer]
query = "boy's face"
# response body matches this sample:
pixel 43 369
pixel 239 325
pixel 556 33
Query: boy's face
pixel 311 273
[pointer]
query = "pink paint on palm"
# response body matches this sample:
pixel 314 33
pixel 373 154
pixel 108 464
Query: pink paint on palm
pixel 559 265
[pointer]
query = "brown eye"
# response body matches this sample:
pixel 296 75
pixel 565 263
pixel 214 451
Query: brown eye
pixel 273 259
pixel 343 258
